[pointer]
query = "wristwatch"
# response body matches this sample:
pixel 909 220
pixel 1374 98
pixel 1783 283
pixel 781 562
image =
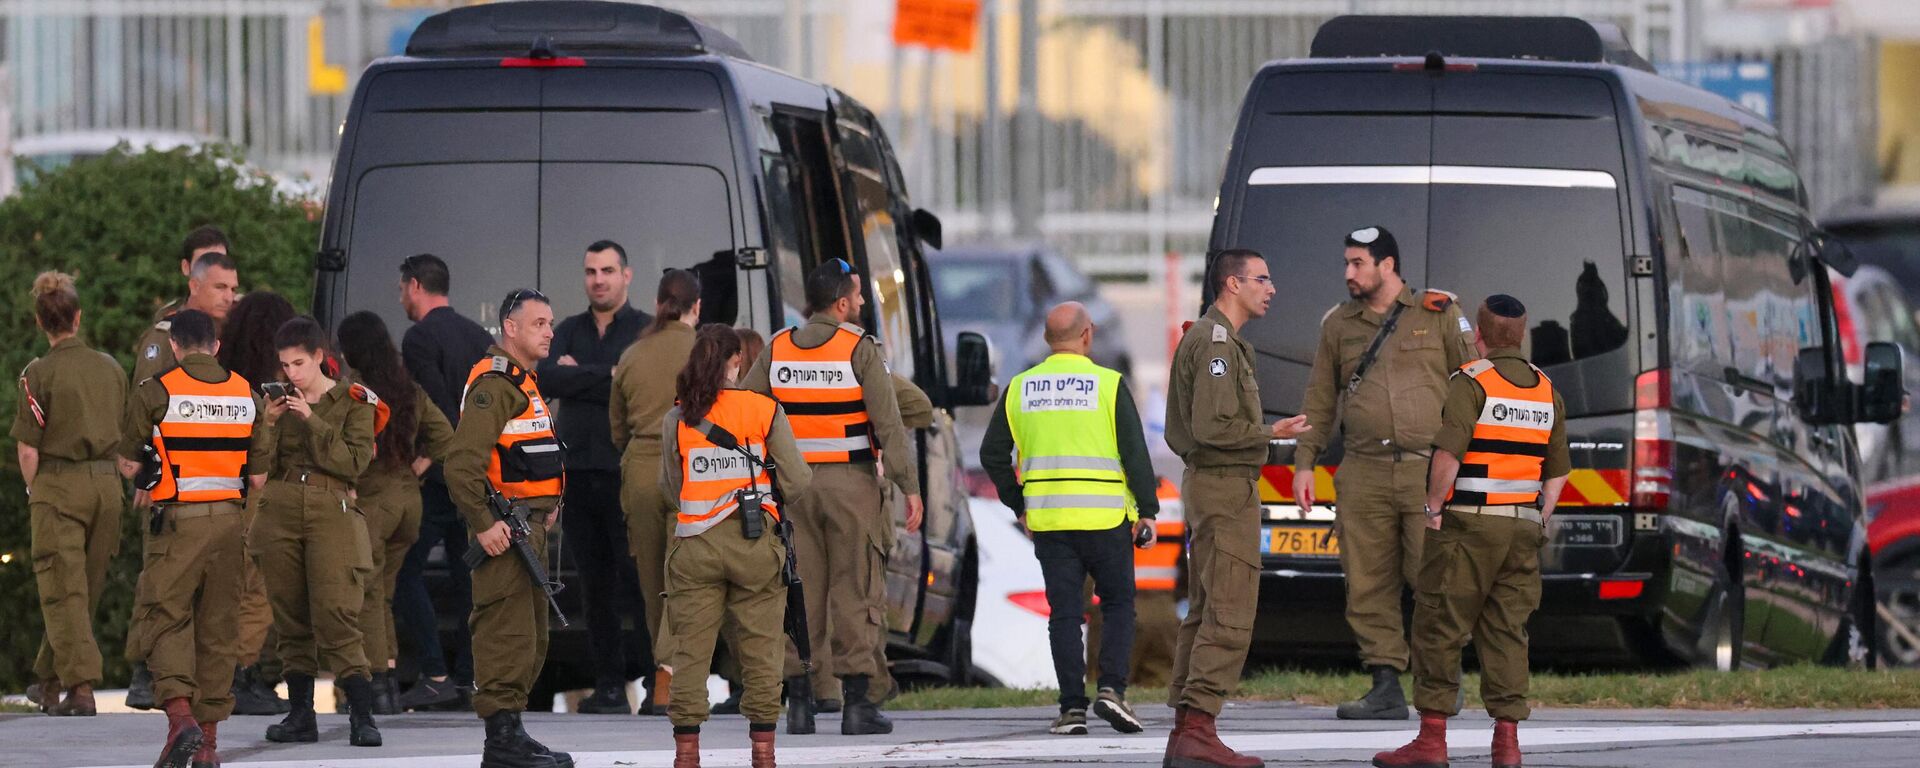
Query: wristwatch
pixel 1429 509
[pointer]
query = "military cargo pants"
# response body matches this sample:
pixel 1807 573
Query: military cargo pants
pixel 1223 514
pixel 1480 578
pixel 509 624
pixel 837 534
pixel 254 617
pixel 650 521
pixel 74 510
pixel 1382 523
pixel 391 508
pixel 187 602
pixel 312 547
pixel 718 578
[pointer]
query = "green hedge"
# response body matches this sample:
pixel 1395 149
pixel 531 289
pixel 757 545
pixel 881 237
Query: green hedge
pixel 115 223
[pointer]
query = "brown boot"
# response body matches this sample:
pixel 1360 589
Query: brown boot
pixel 1179 724
pixel 78 703
pixel 45 694
pixel 1506 743
pixel 686 750
pixel 209 754
pixel 1427 750
pixel 183 735
pixel 1198 746
pixel 762 748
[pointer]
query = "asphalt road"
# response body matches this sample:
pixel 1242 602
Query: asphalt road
pixel 1284 734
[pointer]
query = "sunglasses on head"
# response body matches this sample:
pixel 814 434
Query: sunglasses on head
pixel 519 297
pixel 845 267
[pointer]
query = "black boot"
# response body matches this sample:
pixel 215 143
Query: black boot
pixel 561 759
pixel 506 749
pixel 246 695
pixel 732 705
pixel 263 689
pixel 607 699
pixel 300 725
pixel 140 688
pixel 799 706
pixel 384 700
pixel 361 730
pixel 1384 702
pixel 860 716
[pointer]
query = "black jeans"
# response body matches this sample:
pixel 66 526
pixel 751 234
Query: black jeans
pixel 417 621
pixel 1067 558
pixel 595 532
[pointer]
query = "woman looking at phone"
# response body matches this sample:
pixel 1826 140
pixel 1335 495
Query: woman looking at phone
pixel 310 540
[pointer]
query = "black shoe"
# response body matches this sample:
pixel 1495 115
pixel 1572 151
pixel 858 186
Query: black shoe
pixel 562 759
pixel 506 749
pixel 1384 702
pixel 800 706
pixel 361 730
pixel 140 688
pixel 300 726
pixel 862 716
pixel 384 702
pixel 826 706
pixel 606 700
pixel 428 694
pixel 732 705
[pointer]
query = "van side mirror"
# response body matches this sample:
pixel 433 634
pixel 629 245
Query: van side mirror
pixel 1827 249
pixel 927 227
pixel 1884 390
pixel 973 369
pixel 1816 395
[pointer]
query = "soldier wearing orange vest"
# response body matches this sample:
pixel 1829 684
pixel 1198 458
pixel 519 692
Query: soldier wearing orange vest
pixel 201 425
pixel 834 383
pixel 724 562
pixel 310 540
pixel 505 443
pixel 1499 464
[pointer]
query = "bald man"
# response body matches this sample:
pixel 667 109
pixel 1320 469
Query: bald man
pixel 1084 490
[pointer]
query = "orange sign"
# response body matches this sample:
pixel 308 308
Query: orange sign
pixel 938 24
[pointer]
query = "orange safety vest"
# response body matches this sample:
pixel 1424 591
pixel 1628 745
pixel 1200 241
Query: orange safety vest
pixel 1159 568
pixel 202 440
pixel 711 475
pixel 825 402
pixel 1505 459
pixel 381 413
pixel 526 462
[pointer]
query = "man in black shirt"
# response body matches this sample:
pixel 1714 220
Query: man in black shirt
pixel 578 372
pixel 439 350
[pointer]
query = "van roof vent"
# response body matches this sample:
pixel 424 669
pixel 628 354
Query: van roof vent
pixel 1546 38
pixel 568 27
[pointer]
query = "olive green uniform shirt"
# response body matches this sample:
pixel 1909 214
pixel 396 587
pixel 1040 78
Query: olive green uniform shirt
pixel 790 466
pixel 431 433
pixel 153 353
pixel 1465 398
pixel 337 440
pixel 1213 400
pixel 870 369
pixel 643 386
pixel 916 409
pixel 79 395
pixel 1398 403
pixel 148 405
pixel 490 403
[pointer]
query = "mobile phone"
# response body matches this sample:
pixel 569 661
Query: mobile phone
pixel 276 390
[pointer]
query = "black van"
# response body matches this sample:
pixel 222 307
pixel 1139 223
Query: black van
pixel 511 135
pixel 1680 299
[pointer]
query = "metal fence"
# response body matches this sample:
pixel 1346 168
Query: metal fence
pixel 1136 98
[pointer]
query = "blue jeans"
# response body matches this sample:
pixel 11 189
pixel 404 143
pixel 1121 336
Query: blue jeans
pixel 413 608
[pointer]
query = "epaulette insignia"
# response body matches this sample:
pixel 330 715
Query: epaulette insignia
pixel 1220 334
pixel 1436 300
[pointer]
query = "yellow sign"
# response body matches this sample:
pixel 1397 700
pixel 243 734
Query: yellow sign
pixel 322 78
pixel 938 24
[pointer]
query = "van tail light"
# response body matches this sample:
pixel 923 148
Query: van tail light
pixel 1652 479
pixel 1034 602
pixel 1621 590
pixel 1843 316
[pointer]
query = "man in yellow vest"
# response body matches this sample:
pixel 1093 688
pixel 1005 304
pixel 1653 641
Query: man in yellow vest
pixel 1499 464
pixel 832 379
pixel 1084 490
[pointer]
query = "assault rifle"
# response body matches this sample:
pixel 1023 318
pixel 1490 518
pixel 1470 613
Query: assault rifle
pixel 519 541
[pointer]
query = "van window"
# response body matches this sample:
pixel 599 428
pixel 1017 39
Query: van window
pixel 803 206
pixel 482 218
pixel 663 215
pixel 872 209
pixel 1700 324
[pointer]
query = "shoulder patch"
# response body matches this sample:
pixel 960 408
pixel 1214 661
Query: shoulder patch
pixel 152 352
pixel 1217 367
pixel 853 329
pixel 1465 327
pixel 1477 367
pixel 482 400
pixel 1329 313
pixel 1436 300
pixel 362 393
pixel 1221 336
pixel 163 326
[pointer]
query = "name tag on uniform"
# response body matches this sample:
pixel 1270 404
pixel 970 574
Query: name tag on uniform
pixel 811 375
pixel 210 409
pixel 1060 392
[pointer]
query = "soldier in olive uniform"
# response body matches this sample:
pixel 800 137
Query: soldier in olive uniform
pixel 1388 418
pixel 1497 474
pixel 501 417
pixel 212 283
pixel 642 394
pixel 1214 422
pixel 67 431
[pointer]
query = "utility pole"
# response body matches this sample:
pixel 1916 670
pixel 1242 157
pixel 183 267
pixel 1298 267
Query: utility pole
pixel 1027 200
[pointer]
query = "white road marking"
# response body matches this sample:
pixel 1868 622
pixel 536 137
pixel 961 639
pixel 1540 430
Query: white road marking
pixel 1463 741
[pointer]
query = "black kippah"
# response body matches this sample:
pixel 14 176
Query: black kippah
pixel 1506 306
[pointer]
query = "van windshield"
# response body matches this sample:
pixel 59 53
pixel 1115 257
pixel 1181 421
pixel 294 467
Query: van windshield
pixel 1556 248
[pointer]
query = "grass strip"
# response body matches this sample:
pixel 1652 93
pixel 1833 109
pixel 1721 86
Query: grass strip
pixel 1796 687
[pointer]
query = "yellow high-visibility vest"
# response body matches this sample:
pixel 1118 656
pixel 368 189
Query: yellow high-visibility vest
pixel 1061 415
